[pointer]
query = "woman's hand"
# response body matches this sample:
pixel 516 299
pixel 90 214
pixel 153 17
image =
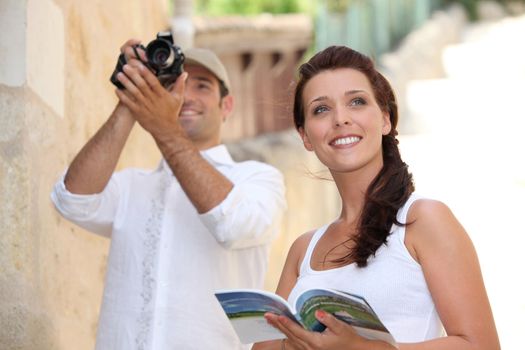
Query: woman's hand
pixel 337 336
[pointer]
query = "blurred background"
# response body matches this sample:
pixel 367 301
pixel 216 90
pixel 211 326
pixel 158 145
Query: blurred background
pixel 458 68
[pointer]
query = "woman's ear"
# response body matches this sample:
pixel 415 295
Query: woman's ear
pixel 387 125
pixel 306 141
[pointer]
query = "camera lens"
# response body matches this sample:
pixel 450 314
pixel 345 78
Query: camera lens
pixel 160 54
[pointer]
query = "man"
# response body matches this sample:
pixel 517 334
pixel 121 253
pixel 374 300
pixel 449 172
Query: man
pixel 197 223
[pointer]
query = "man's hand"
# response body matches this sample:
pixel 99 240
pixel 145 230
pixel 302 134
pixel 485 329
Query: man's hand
pixel 129 52
pixel 155 108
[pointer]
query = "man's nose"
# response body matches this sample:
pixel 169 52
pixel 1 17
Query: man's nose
pixel 188 94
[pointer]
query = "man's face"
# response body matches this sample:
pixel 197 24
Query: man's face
pixel 203 111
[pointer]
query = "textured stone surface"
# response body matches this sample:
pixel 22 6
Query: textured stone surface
pixel 45 72
pixel 51 272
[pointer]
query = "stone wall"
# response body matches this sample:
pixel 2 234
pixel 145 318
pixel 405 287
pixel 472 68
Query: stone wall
pixel 55 60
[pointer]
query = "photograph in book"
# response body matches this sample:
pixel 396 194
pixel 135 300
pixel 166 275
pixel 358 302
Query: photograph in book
pixel 245 309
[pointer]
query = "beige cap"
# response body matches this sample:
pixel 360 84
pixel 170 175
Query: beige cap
pixel 209 60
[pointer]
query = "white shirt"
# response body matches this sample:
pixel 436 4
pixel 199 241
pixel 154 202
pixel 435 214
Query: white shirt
pixel 393 283
pixel 166 260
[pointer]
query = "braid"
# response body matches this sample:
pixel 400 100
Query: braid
pixel 393 185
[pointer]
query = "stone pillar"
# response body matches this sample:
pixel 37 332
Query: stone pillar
pixel 261 54
pixel 182 23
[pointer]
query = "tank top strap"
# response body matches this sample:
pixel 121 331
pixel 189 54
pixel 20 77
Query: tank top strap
pixel 305 264
pixel 402 216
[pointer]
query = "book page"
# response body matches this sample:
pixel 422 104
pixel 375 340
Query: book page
pixel 246 309
pixel 349 308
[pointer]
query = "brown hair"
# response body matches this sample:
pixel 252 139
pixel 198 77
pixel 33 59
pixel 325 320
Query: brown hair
pixel 393 185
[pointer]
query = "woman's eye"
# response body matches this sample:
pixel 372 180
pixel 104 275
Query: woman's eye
pixel 357 102
pixel 320 109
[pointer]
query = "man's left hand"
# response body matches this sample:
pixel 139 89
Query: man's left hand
pixel 155 108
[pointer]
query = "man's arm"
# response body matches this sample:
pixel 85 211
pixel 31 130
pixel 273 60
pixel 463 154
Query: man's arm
pixel 204 185
pixel 238 217
pixel 157 111
pixel 92 167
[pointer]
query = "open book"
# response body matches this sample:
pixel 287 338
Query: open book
pixel 246 308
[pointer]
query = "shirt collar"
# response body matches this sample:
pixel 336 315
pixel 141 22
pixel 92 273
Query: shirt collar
pixel 217 155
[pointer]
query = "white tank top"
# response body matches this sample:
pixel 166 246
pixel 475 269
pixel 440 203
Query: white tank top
pixel 392 283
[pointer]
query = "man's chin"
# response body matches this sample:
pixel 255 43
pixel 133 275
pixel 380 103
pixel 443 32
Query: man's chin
pixel 189 125
pixel 187 121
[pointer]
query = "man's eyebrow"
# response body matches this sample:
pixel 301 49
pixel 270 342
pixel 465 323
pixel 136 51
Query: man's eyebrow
pixel 202 78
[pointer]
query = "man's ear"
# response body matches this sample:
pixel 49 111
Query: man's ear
pixel 387 125
pixel 306 140
pixel 227 103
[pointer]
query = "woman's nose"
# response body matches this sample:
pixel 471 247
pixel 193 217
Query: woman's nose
pixel 342 118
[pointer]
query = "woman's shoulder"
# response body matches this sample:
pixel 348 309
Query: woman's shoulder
pixel 428 211
pixel 432 225
pixel 300 245
pixel 298 249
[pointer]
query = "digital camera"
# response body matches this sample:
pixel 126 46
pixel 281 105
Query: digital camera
pixel 164 59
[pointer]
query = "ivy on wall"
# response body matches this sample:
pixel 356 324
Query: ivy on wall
pixel 252 7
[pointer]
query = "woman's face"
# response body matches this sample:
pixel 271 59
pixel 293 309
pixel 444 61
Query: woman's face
pixel 343 122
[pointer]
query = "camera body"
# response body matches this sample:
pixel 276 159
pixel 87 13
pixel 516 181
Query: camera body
pixel 164 59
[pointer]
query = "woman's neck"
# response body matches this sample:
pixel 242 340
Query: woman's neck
pixel 352 187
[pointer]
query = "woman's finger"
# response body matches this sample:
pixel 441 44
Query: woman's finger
pixel 330 321
pixel 293 331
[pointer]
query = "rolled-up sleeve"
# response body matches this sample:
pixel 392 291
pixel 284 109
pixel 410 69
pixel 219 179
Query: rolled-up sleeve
pixel 251 213
pixel 93 212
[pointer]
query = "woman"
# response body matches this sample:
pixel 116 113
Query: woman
pixel 408 256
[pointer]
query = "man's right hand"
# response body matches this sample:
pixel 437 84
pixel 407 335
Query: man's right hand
pixel 93 166
pixel 129 53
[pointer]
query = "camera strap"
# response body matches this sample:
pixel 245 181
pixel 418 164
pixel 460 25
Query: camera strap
pixel 135 47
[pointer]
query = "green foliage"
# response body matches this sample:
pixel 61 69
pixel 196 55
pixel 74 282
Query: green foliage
pixel 252 7
pixel 471 5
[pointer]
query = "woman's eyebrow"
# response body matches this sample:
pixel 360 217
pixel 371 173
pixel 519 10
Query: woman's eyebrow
pixel 317 99
pixel 347 93
pixel 353 92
